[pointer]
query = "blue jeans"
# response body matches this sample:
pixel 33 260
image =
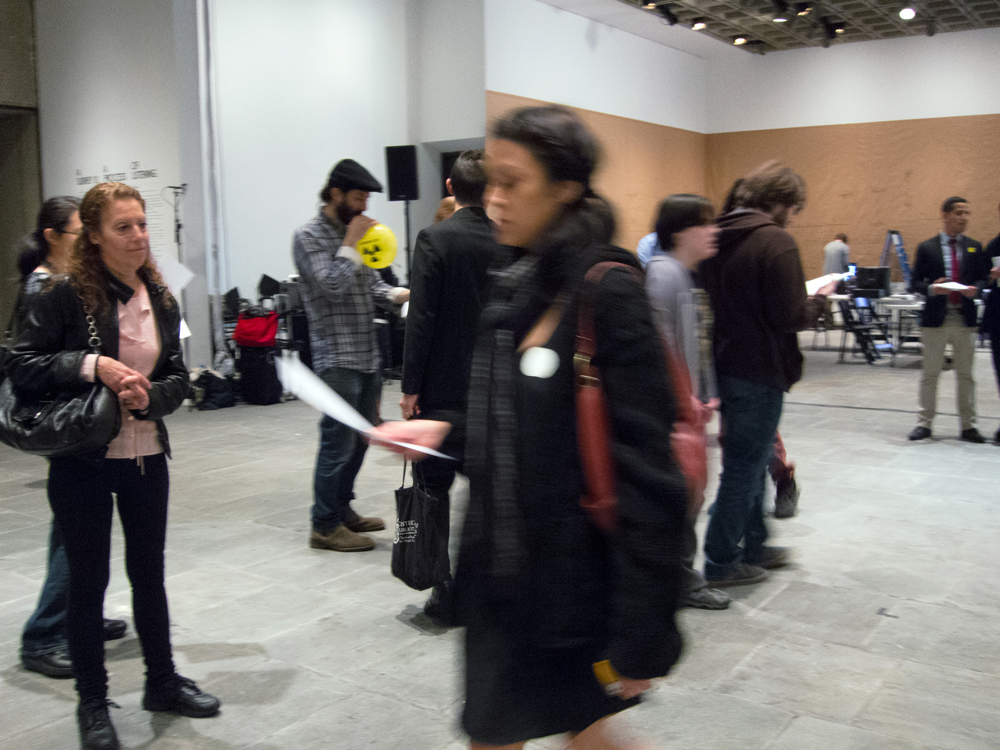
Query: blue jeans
pixel 750 414
pixel 341 449
pixel 45 630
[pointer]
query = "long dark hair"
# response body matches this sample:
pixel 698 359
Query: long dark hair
pixel 86 269
pixel 679 212
pixel 566 150
pixel 34 248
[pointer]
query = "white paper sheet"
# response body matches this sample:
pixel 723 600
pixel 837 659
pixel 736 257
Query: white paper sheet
pixel 177 275
pixel 953 286
pixel 305 384
pixel 814 285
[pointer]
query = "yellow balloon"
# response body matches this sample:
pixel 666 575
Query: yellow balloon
pixel 378 246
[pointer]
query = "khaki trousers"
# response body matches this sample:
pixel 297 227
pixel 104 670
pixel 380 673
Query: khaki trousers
pixel 962 339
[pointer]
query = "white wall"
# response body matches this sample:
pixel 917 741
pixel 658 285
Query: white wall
pixel 108 109
pixel 107 99
pixel 301 85
pixel 946 75
pixel 542 52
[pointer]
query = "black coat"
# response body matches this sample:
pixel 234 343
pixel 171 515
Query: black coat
pixel 991 315
pixel 52 341
pixel 617 594
pixel 974 269
pixel 448 289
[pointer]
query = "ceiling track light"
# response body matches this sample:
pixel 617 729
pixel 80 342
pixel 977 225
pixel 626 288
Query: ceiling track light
pixel 740 40
pixel 668 15
pixel 803 9
pixel 780 11
pixel 831 29
pixel 908 13
pixel 699 24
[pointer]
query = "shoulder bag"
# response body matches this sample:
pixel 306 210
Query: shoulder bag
pixel 63 423
pixel 687 438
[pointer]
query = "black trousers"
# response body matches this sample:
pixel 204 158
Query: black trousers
pixel 80 493
pixel 995 349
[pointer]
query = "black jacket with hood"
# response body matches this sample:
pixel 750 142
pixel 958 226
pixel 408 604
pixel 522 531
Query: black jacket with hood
pixel 758 294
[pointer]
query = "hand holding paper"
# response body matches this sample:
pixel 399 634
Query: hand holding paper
pixel 813 286
pixel 305 384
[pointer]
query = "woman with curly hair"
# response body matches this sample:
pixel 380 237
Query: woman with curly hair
pixel 565 624
pixel 112 288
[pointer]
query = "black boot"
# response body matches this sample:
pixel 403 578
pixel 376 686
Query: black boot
pixel 179 695
pixel 96 731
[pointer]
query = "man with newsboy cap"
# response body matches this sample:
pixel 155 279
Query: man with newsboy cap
pixel 339 293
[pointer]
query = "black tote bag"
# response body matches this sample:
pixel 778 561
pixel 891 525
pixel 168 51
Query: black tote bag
pixel 420 546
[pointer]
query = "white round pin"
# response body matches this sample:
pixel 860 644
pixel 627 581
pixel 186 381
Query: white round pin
pixel 539 362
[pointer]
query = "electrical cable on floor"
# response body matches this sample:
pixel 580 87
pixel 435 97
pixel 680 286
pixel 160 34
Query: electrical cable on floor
pixel 882 408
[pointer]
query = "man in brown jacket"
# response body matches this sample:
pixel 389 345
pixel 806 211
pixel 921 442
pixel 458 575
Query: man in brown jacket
pixel 758 294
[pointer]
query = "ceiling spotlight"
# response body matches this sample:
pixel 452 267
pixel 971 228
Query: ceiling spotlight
pixel 649 6
pixel 699 24
pixel 668 15
pixel 803 9
pixel 908 13
pixel 840 28
pixel 780 18
pixel 780 11
pixel 740 40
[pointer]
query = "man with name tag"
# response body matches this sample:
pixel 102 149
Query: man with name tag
pixel 950 271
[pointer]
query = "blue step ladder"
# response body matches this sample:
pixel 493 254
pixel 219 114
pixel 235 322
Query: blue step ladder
pixel 894 241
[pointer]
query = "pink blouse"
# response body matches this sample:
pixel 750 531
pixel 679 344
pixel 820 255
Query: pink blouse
pixel 138 348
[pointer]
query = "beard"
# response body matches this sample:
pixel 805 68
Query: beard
pixel 345 213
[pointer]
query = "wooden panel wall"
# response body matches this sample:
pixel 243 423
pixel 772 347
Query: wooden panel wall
pixel 642 163
pixel 867 178
pixel 862 179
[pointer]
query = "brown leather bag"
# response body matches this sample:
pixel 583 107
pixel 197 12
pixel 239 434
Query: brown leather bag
pixel 593 428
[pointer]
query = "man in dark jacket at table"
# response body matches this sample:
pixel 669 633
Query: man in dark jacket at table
pixel 949 315
pixel 448 289
pixel 757 289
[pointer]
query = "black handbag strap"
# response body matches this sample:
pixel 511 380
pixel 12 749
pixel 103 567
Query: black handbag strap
pixel 9 330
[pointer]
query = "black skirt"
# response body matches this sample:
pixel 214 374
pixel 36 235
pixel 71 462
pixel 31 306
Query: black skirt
pixel 517 691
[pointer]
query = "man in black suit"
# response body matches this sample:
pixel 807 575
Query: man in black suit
pixel 949 315
pixel 448 290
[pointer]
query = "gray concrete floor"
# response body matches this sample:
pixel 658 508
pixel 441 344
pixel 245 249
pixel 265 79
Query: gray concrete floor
pixel 883 636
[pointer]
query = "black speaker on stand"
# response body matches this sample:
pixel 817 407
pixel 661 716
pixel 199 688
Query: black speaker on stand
pixel 401 168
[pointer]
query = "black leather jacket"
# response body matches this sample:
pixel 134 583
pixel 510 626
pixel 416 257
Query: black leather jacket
pixel 52 338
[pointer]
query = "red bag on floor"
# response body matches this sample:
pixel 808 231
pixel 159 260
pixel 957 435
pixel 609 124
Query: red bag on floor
pixel 256 330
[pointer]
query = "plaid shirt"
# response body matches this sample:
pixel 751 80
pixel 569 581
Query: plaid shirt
pixel 339 297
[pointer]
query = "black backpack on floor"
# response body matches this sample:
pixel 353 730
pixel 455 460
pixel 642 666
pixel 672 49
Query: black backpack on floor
pixel 259 382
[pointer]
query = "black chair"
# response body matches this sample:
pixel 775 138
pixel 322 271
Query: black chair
pixel 870 338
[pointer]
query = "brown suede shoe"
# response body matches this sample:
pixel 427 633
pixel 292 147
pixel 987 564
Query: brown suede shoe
pixel 358 523
pixel 340 539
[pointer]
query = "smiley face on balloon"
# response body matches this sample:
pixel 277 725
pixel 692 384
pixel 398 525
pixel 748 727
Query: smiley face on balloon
pixel 377 247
